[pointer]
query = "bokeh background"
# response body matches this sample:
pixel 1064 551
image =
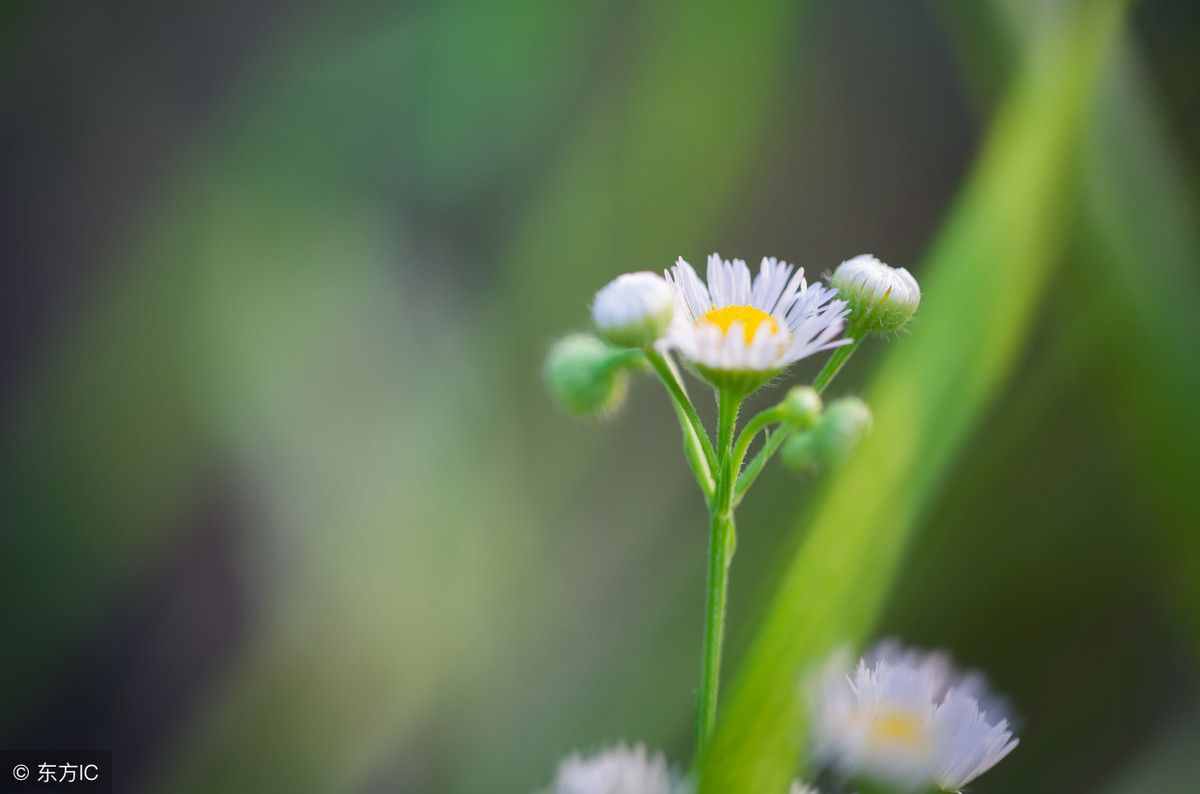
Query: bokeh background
pixel 287 508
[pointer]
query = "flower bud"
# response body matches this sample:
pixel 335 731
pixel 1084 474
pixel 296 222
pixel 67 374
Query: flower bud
pixel 634 309
pixel 800 408
pixel 881 297
pixel 586 376
pixel 831 441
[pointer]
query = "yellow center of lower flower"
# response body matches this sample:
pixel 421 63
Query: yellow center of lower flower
pixel 750 318
pixel 898 728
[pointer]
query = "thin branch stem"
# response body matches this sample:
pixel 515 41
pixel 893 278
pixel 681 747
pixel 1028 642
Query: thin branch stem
pixel 696 444
pixel 759 462
pixel 835 363
pixel 775 440
pixel 621 359
pixel 761 420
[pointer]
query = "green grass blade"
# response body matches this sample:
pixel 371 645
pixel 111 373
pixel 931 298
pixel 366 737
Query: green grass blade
pixel 983 281
pixel 1138 227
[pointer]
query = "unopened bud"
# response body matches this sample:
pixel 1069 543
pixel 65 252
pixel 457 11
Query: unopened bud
pixel 634 309
pixel 587 376
pixel 832 440
pixel 881 297
pixel 801 407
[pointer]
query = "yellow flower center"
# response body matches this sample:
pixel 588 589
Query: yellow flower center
pixel 898 728
pixel 750 318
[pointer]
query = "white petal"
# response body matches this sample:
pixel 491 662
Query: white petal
pixel 740 275
pixel 620 770
pixel 770 284
pixel 632 298
pixel 952 739
pixel 796 287
pixel 718 284
pixel 691 290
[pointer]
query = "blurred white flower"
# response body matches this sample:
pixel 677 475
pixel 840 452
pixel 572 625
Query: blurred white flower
pixel 968 742
pixel 734 330
pixel 634 309
pixel 801 788
pixel 881 297
pixel 907 719
pixel 619 770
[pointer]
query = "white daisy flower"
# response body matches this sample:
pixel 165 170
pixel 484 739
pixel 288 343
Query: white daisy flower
pixel 968 742
pixel 908 720
pixel 801 788
pixel 634 309
pixel 620 770
pixel 739 333
pixel 881 297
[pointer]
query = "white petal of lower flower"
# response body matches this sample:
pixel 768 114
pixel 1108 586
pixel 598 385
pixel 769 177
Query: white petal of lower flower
pixel 619 770
pixel 802 788
pixel 968 742
pixel 906 719
pixel 736 324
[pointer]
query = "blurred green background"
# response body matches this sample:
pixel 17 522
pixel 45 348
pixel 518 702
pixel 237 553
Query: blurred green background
pixel 288 508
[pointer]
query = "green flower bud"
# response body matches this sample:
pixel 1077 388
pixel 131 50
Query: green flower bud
pixel 830 443
pixel 634 309
pixel 587 376
pixel 882 298
pixel 800 408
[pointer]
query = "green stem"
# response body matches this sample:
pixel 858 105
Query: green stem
pixel 835 363
pixel 730 487
pixel 755 426
pixel 696 444
pixel 719 548
pixel 759 462
pixel 620 359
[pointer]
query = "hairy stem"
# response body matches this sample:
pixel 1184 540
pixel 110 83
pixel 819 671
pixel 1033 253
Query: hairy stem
pixel 755 426
pixel 774 441
pixel 759 462
pixel 696 443
pixel 719 547
pixel 835 363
